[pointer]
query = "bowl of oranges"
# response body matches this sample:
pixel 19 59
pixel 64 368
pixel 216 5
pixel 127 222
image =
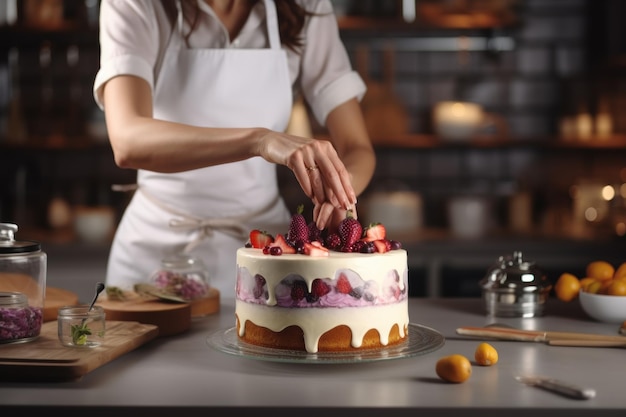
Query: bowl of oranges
pixel 602 292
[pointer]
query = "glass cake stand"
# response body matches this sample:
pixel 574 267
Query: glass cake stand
pixel 421 340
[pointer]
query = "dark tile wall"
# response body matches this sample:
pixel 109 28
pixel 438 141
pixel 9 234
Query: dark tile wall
pixel 543 77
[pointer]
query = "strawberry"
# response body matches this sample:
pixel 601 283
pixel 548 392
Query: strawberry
pixel 315 249
pixel 350 230
pixel 319 288
pixel 260 239
pixel 298 228
pixel 382 245
pixel 282 243
pixel 299 290
pixel 375 231
pixel 343 285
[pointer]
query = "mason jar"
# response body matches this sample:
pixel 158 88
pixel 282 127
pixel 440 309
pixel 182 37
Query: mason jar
pixel 183 276
pixel 80 326
pixel 22 287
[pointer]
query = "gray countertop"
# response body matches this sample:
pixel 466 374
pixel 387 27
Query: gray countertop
pixel 183 374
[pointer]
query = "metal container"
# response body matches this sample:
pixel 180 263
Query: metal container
pixel 515 288
pixel 22 287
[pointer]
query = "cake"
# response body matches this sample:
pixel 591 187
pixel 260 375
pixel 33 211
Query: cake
pixel 308 292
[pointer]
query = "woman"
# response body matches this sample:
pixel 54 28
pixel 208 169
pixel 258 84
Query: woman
pixel 197 95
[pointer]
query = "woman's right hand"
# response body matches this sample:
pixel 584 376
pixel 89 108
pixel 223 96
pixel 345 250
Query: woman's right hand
pixel 318 169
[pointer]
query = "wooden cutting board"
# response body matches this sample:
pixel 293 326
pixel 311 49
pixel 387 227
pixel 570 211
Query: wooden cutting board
pixel 55 298
pixel 170 317
pixel 46 360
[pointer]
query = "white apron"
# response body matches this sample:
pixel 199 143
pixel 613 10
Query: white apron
pixel 208 212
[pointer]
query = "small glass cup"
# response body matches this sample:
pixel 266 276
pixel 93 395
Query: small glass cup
pixel 81 327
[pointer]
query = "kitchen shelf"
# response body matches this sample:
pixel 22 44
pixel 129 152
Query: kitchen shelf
pixel 425 141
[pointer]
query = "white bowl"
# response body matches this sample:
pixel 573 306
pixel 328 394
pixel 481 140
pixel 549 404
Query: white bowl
pixel 605 308
pixel 94 224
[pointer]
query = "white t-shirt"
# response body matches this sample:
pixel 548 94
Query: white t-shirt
pixel 134 33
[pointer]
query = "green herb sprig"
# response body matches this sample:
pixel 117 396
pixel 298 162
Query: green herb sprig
pixel 79 333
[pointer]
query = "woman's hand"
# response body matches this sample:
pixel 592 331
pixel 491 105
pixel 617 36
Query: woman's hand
pixel 318 169
pixel 330 172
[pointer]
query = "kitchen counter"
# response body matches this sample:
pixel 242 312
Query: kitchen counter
pixel 182 374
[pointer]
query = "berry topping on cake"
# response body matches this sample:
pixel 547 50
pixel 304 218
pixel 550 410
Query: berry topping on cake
pixel 315 234
pixel 375 231
pixel 382 245
pixel 306 239
pixel 280 242
pixel 315 249
pixel 333 241
pixel 298 228
pixel 260 239
pixel 350 230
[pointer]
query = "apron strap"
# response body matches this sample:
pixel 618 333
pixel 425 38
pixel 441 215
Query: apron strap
pixel 179 17
pixel 272 24
pixel 233 226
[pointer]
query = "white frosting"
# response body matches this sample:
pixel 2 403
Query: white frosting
pixel 379 299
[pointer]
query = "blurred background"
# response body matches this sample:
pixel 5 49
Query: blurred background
pixel 499 126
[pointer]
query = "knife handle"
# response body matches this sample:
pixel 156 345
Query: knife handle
pixel 566 389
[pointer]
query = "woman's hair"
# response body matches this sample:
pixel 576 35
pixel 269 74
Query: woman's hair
pixel 291 18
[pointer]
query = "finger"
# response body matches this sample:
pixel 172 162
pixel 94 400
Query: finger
pixel 324 215
pixel 337 179
pixel 317 182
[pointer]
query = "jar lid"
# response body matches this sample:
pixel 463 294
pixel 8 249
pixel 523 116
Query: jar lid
pixel 9 245
pixel 512 273
pixel 12 299
pixel 182 261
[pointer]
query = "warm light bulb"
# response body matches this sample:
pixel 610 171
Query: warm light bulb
pixel 608 192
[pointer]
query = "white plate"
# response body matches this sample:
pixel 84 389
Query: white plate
pixel 421 340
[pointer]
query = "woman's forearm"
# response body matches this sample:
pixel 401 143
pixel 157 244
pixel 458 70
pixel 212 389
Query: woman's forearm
pixel 350 138
pixel 141 142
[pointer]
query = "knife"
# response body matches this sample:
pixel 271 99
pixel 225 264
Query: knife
pixel 503 333
pixel 559 387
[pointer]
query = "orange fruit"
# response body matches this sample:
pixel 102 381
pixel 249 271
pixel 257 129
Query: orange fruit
pixel 586 282
pixel 595 287
pixel 454 368
pixel 620 271
pixel 616 287
pixel 601 270
pixel 486 355
pixel 567 287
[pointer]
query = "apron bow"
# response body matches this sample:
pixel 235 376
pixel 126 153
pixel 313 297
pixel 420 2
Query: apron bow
pixel 206 228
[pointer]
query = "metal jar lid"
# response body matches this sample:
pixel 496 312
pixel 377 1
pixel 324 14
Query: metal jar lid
pixel 513 274
pixel 515 288
pixel 8 244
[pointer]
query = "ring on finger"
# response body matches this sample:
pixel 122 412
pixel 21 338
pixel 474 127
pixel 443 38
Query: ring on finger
pixel 312 168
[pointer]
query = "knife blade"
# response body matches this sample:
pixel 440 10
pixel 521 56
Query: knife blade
pixel 557 386
pixel 503 333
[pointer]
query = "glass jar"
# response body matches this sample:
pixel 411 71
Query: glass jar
pixel 81 327
pixel 22 287
pixel 183 276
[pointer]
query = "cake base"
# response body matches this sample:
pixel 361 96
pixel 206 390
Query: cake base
pixel 337 339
